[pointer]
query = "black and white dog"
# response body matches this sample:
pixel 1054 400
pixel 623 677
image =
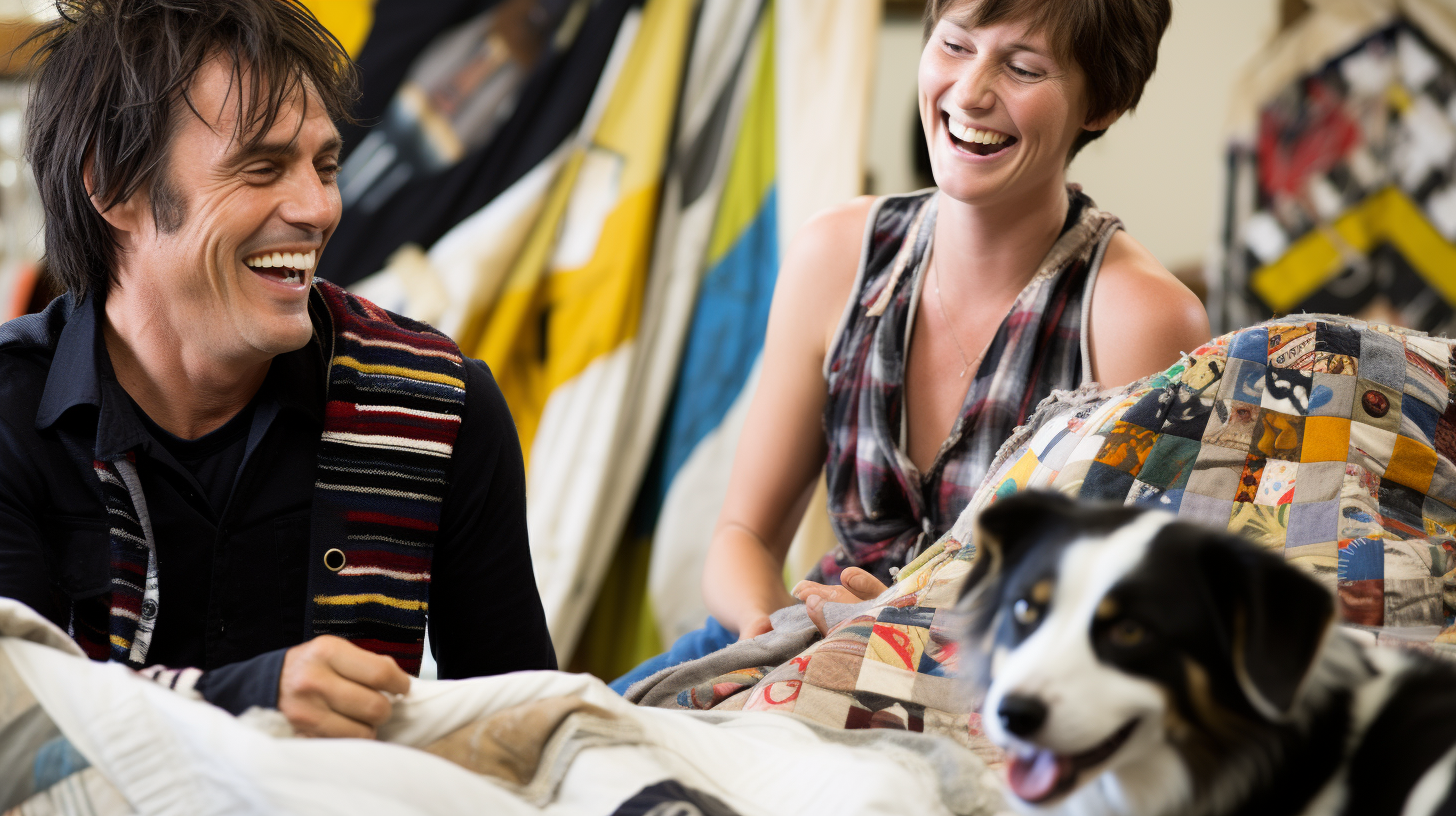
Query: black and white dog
pixel 1134 664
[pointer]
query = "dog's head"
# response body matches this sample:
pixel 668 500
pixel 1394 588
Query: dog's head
pixel 1127 656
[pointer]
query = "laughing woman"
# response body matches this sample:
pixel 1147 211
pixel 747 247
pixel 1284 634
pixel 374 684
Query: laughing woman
pixel 910 334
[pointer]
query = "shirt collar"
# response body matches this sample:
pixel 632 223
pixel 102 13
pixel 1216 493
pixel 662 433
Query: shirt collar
pixel 81 374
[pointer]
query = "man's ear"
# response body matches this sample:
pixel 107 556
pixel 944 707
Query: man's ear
pixel 123 216
pixel 1102 122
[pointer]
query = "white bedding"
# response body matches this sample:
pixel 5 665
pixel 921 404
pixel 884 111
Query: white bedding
pixel 170 755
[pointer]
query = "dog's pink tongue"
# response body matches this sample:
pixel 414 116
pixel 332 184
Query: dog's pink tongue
pixel 1034 777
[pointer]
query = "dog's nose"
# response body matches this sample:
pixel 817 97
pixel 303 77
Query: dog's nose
pixel 1021 715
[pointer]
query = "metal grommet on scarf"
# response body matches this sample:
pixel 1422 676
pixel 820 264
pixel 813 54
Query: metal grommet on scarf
pixel 334 559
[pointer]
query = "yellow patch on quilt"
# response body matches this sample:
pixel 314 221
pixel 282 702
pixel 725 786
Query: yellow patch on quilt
pixel 1326 439
pixel 1411 464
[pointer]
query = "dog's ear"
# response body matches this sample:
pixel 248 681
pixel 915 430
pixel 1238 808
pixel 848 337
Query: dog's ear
pixel 1005 528
pixel 1277 617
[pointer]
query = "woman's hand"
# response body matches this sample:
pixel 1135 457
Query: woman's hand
pixel 856 585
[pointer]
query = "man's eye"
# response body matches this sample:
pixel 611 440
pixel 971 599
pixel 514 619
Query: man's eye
pixel 329 172
pixel 259 172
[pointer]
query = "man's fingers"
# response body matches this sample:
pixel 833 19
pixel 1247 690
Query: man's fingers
pixel 814 605
pixel 368 669
pixel 333 725
pixel 357 702
pixel 861 583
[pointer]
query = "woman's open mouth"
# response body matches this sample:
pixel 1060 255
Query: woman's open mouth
pixel 976 141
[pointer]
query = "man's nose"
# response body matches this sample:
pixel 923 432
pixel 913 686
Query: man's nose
pixel 312 203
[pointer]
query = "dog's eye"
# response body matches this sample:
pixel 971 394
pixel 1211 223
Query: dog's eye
pixel 1025 612
pixel 1126 632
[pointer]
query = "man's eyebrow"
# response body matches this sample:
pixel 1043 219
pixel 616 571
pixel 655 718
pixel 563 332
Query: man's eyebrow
pixel 281 150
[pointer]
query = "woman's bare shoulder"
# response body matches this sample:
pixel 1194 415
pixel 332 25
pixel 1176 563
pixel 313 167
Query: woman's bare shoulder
pixel 1142 316
pixel 819 268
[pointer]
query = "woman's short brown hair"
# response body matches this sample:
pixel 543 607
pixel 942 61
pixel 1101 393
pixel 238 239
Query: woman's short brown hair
pixel 1115 42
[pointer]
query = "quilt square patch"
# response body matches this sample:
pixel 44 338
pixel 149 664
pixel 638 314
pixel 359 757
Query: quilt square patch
pixel 1249 479
pixel 1319 482
pixel 1411 464
pixel 1106 483
pixel 1127 447
pixel 1276 486
pixel 1377 405
pixel 1279 435
pixel 1287 391
pixel 1418 420
pixel 1188 416
pixel 1332 395
pixel 1370 447
pixel 1327 363
pixel 1170 462
pixel 1292 345
pixel 1244 382
pixel 1261 524
pixel 1314 523
pixel 1251 344
pixel 1382 359
pixel 1333 338
pixel 1232 425
pixel 1400 510
pixel 1208 510
pixel 1439 518
pixel 1216 472
pixel 1326 439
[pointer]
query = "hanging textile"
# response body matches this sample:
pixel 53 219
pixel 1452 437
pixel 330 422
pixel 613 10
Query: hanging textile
pixel 821 57
pixel 561 336
pixel 725 120
pixel 457 94
pixel 1341 192
pixel 549 107
pixel 348 20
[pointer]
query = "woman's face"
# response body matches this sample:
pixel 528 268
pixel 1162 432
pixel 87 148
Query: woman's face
pixel 1000 112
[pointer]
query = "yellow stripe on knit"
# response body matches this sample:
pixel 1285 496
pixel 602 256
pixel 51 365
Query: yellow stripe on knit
pixel 367 598
pixel 398 371
pixel 118 640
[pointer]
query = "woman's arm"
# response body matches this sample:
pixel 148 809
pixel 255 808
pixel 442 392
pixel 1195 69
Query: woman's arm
pixel 782 446
pixel 1142 316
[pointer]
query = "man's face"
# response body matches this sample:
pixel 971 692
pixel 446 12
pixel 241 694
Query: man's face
pixel 229 259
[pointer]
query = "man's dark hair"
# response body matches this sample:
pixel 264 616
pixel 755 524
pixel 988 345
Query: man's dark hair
pixel 112 79
pixel 1115 42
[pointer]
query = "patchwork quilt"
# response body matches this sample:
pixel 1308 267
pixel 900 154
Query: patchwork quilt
pixel 1329 439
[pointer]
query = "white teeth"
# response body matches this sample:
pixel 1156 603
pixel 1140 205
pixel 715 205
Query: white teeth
pixel 966 133
pixel 283 260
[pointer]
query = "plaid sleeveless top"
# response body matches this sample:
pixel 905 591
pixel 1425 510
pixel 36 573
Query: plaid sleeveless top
pixel 884 511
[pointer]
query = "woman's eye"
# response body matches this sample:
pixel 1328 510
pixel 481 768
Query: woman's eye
pixel 1023 73
pixel 1127 633
pixel 956 48
pixel 1025 612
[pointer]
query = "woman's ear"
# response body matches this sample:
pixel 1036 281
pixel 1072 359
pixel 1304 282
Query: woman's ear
pixel 1102 122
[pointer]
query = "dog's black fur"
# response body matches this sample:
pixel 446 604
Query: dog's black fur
pixel 1256 688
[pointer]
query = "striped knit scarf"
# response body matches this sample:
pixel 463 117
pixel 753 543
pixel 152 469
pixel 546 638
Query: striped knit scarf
pixel 396 394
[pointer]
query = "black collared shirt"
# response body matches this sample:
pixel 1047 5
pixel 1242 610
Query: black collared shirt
pixel 230 514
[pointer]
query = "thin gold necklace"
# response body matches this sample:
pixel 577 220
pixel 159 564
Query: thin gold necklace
pixel 940 299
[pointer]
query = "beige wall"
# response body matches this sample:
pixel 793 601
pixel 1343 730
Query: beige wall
pixel 1160 168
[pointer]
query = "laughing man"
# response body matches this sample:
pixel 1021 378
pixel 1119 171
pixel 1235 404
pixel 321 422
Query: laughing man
pixel 209 460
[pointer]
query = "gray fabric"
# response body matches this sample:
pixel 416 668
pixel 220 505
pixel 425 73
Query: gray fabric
pixel 791 634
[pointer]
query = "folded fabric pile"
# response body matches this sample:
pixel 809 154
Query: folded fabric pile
pixel 527 743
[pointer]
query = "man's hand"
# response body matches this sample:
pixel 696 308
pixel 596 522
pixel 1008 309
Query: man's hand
pixel 331 688
pixel 855 585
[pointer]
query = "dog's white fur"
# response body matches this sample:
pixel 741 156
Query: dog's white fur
pixel 1087 700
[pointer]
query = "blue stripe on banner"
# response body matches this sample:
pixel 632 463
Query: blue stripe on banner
pixel 723 341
